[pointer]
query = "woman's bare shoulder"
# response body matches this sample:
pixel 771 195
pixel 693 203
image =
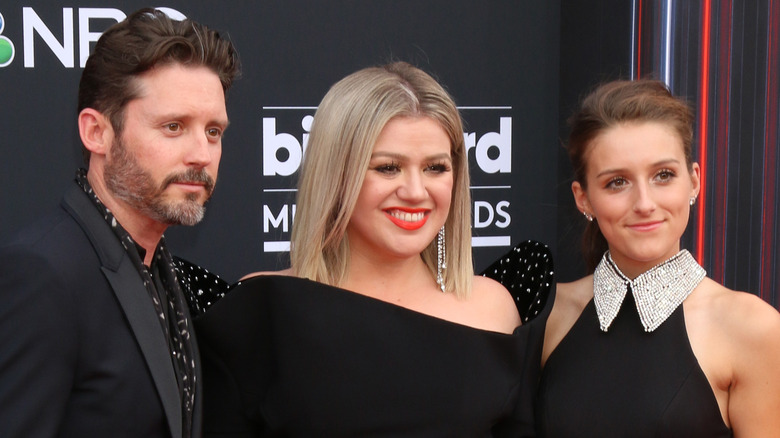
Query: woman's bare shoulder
pixel 746 315
pixel 495 300
pixel 570 299
pixel 741 313
pixel 576 294
pixel 286 272
pixel 738 322
pixel 742 331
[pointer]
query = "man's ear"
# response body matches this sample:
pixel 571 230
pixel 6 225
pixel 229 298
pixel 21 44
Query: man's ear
pixel 95 131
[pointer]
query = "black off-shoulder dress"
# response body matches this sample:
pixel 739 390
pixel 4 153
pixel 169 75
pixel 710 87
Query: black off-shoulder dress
pixel 284 356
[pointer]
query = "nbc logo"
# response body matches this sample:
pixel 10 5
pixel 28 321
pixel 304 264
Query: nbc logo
pixel 6 46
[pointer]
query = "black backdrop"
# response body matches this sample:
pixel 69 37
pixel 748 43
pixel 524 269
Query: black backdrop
pixel 516 69
pixel 498 59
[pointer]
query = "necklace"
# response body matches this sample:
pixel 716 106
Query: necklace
pixel 657 292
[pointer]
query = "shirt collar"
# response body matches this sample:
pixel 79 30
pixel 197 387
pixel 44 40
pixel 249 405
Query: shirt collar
pixel 124 237
pixel 657 292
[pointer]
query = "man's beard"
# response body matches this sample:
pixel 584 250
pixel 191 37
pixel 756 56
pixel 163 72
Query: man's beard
pixel 128 181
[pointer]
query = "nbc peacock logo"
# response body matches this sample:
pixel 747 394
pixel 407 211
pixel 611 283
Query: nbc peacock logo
pixel 7 50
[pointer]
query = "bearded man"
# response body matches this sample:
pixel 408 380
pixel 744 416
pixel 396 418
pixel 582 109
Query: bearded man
pixel 95 332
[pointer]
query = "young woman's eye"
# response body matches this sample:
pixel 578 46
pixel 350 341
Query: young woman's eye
pixel 665 175
pixel 214 132
pixel 616 183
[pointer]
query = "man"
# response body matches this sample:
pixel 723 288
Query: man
pixel 95 334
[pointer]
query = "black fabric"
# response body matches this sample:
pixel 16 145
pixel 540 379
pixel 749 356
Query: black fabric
pixel 527 272
pixel 626 382
pixel 284 356
pixel 166 295
pixel 72 361
pixel 200 287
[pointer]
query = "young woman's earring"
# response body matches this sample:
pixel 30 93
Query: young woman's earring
pixel 588 216
pixel 692 201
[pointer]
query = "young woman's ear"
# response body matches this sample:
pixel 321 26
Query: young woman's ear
pixel 581 199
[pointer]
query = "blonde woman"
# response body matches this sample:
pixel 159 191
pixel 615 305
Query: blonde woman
pixel 379 327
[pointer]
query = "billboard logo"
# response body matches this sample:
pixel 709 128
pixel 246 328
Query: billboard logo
pixel 288 144
pixel 7 50
pixel 500 141
pixel 282 152
pixel 488 143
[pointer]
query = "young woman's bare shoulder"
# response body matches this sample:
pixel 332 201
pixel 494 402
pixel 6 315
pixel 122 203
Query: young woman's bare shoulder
pixel 749 318
pixel 746 331
pixel 287 271
pixel 576 294
pixel 570 300
pixel 741 320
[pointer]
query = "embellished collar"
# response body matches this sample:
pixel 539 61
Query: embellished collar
pixel 657 292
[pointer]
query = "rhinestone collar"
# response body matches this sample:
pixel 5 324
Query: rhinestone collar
pixel 657 292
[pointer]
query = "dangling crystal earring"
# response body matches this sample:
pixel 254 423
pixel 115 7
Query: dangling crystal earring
pixel 441 256
pixel 587 216
pixel 692 201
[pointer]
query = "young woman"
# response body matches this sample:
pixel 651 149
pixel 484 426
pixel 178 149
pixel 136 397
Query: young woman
pixel 648 346
pixel 379 327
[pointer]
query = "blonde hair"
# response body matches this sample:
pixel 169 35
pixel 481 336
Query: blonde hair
pixel 346 126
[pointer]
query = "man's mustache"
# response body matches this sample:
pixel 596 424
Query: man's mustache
pixel 191 176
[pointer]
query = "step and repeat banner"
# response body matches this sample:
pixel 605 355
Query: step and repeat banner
pixel 498 59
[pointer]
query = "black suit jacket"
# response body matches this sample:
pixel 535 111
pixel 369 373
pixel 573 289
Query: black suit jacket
pixel 82 353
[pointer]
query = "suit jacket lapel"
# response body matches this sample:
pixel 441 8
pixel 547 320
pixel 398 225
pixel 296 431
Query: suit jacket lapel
pixel 197 410
pixel 134 299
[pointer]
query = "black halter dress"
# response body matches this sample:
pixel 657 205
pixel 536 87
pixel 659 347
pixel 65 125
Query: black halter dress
pixel 626 382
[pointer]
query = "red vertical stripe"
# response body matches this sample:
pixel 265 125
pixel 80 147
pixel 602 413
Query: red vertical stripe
pixel 703 127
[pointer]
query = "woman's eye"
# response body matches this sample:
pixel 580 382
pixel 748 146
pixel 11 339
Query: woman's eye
pixel 388 168
pixel 616 183
pixel 214 132
pixel 665 175
pixel 438 168
pixel 173 127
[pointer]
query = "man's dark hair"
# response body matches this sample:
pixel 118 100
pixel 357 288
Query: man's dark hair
pixel 145 39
